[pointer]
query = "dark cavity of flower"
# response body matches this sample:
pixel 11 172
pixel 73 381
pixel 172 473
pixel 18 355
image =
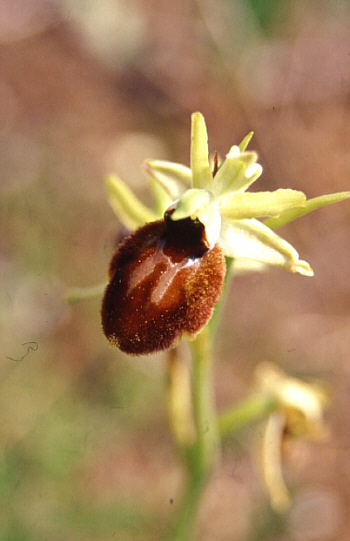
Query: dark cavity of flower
pixel 164 281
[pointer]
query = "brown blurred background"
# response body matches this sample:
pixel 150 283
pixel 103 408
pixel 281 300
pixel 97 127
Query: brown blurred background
pixel 91 87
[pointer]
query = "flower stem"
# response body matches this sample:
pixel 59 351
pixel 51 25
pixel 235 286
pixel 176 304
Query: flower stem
pixel 76 294
pixel 194 423
pixel 206 445
pixel 254 408
pixel 215 319
pixel 182 529
pixel 201 453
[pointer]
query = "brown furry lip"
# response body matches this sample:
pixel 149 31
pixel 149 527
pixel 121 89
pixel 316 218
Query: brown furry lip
pixel 164 281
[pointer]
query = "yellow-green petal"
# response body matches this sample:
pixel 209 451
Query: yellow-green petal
pixel 128 208
pixel 191 203
pixel 250 239
pixel 311 204
pixel 237 173
pixel 257 204
pixel 271 461
pixel 200 166
pixel 245 141
pixel 245 266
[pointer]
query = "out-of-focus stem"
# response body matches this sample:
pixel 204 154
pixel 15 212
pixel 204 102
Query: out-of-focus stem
pixel 76 294
pixel 251 409
pixel 180 400
pixel 183 526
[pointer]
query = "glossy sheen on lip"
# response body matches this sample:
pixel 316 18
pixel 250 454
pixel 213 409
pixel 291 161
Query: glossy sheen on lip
pixel 164 281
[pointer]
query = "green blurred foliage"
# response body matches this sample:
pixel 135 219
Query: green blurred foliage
pixel 269 13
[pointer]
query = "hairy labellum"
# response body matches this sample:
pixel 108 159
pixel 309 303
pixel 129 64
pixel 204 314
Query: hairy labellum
pixel 163 281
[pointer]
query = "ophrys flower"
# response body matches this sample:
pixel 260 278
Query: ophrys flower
pixel 166 277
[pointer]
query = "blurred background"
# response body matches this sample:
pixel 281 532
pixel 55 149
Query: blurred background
pixel 91 87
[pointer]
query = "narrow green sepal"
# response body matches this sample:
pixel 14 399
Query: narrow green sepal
pixel 245 266
pixel 174 177
pixel 257 204
pixel 250 239
pixel 166 182
pixel 201 171
pixel 245 141
pixel 161 198
pixel 311 204
pixel 128 208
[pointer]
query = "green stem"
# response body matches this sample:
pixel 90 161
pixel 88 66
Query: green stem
pixel 182 529
pixel 200 455
pixel 200 441
pixel 246 412
pixel 76 294
pixel 215 319
pixel 206 445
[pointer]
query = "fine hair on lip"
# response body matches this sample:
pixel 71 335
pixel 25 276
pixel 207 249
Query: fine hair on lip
pixel 162 284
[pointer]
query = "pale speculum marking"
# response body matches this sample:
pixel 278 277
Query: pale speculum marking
pixel 167 273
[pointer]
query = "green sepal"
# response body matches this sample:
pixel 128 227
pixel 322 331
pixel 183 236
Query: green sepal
pixel 161 198
pixel 245 266
pixel 128 208
pixel 201 171
pixel 311 204
pixel 174 177
pixel 256 204
pixel 250 239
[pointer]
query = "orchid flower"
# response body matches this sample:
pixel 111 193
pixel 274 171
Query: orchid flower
pixel 299 413
pixel 166 277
